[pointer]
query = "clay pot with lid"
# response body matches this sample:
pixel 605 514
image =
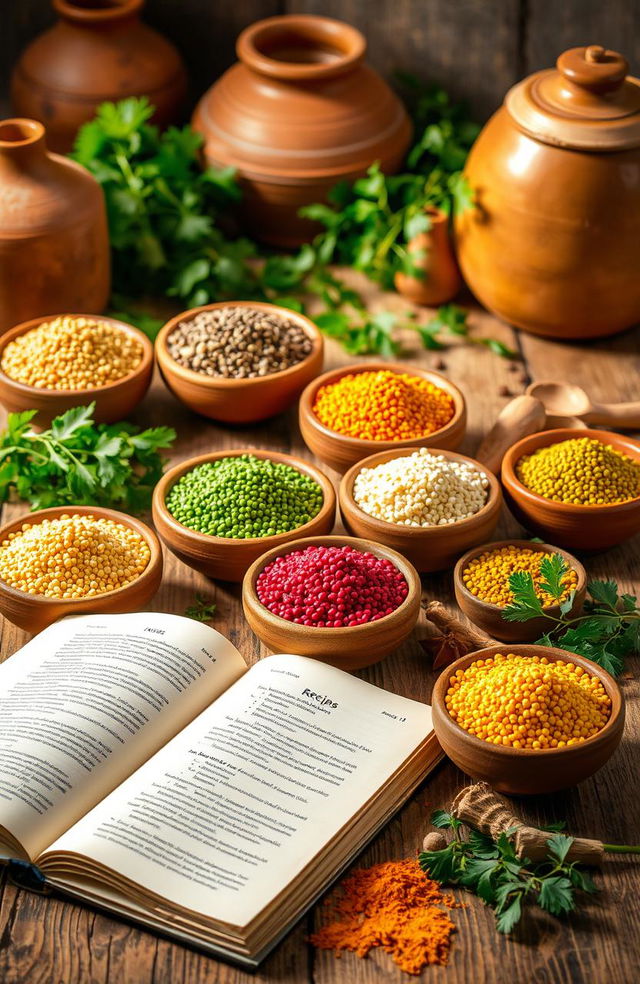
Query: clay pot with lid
pixel 552 245
pixel 299 112
pixel 99 50
pixel 54 245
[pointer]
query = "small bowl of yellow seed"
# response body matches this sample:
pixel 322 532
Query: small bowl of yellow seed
pixel 76 560
pixel 54 363
pixel 580 490
pixel 481 584
pixel 527 719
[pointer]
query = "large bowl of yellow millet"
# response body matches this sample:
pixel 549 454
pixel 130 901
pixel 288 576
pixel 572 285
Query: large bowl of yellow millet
pixel 355 411
pixel 55 363
pixel 73 560
pixel 527 719
pixel 481 580
pixel 579 489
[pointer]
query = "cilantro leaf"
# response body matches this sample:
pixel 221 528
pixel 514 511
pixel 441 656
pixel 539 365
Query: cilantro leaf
pixel 510 916
pixel 605 592
pixel 553 569
pixel 556 895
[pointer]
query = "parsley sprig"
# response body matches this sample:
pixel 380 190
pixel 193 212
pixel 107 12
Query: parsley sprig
pixel 201 610
pixel 607 632
pixel 492 870
pixel 78 462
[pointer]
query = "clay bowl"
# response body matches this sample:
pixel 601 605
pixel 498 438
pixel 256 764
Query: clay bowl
pixel 434 548
pixel 349 648
pixel 115 401
pixel 221 557
pixel 341 452
pixel 587 528
pixel 36 612
pixel 239 401
pixel 489 617
pixel 527 771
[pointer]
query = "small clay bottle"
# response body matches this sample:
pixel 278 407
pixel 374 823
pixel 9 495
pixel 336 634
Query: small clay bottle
pixel 54 245
pixel 441 279
pixel 98 51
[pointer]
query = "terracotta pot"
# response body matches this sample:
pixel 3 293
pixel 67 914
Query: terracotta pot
pixel 298 113
pixel 552 245
pixel 99 50
pixel 440 280
pixel 54 246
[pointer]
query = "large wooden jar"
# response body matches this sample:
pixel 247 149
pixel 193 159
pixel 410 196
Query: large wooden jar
pixel 554 243
pixel 99 50
pixel 298 113
pixel 54 246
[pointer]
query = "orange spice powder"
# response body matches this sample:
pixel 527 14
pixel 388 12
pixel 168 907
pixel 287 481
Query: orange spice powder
pixel 395 907
pixel 383 406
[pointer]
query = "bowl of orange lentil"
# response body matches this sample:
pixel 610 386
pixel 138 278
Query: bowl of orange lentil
pixel 349 413
pixel 527 719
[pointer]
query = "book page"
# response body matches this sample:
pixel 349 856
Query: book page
pixel 87 701
pixel 224 817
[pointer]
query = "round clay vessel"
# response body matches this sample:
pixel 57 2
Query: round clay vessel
pixel 489 618
pixel 341 451
pixel 298 113
pixel 115 401
pixel 98 51
pixel 429 548
pixel 551 245
pixel 527 771
pixel 226 558
pixel 54 245
pixel 239 401
pixel 35 612
pixel 348 647
pixel 576 527
pixel 434 258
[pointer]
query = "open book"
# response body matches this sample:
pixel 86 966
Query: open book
pixel 145 770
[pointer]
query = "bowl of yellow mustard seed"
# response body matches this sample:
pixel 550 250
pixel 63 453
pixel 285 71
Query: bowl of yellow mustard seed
pixel 481 583
pixel 54 363
pixel 580 490
pixel 527 719
pixel 76 560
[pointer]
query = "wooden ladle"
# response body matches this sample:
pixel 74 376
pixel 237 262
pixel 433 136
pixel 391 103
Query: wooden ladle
pixel 568 400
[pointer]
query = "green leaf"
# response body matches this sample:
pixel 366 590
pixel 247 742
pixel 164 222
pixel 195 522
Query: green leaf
pixel 556 895
pixel 478 876
pixel 18 423
pixel 525 604
pixel 444 820
pixel 553 569
pixel 440 865
pixel 495 345
pixel 415 225
pixel 69 423
pixel 202 610
pixel 508 918
pixel 606 592
pixel 555 827
pixel 558 846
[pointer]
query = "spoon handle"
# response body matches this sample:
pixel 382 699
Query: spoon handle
pixel 615 414
pixel 522 416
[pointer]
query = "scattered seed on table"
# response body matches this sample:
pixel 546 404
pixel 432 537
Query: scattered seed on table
pixel 70 353
pixel 243 497
pixel 238 343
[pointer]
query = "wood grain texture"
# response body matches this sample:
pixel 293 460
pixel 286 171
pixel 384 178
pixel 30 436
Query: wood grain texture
pixel 43 940
pixel 550 28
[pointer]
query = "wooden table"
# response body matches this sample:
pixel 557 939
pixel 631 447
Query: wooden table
pixel 46 940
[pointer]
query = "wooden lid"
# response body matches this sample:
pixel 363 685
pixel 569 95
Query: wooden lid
pixel 587 102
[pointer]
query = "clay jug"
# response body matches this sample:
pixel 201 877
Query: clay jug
pixel 552 246
pixel 54 246
pixel 99 50
pixel 440 280
pixel 298 113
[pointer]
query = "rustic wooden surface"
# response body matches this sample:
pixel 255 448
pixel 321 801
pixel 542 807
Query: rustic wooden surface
pixel 476 48
pixel 49 940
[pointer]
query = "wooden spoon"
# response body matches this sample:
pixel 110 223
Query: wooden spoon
pixel 568 400
pixel 522 416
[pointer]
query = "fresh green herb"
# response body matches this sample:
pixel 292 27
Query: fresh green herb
pixel 78 462
pixel 607 632
pixel 492 870
pixel 202 610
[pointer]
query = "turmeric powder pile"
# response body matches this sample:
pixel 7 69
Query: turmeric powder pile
pixel 393 906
